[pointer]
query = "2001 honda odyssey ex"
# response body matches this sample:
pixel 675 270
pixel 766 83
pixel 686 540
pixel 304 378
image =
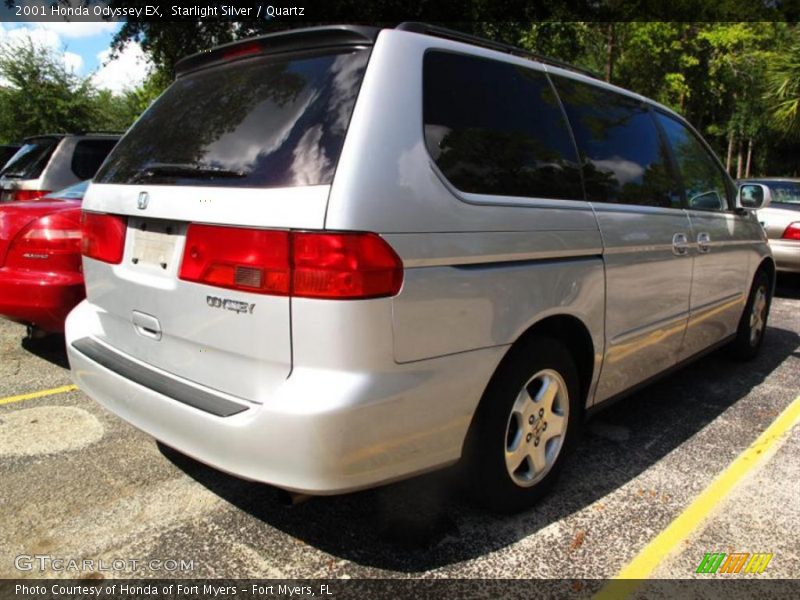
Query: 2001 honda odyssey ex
pixel 335 257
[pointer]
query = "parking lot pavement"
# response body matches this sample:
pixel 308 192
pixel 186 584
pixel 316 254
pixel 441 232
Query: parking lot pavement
pixel 78 483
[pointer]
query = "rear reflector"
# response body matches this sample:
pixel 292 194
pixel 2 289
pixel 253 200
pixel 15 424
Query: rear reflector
pixel 103 237
pixel 345 266
pixel 25 195
pixel 792 231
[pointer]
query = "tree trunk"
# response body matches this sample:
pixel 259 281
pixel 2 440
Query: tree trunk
pixel 730 152
pixel 749 157
pixel 611 40
pixel 739 159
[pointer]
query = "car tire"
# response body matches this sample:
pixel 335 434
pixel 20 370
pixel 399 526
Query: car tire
pixel 753 324
pixel 526 424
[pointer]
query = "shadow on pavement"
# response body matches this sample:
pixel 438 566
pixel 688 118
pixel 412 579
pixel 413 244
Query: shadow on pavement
pixel 51 348
pixel 422 523
pixel 788 285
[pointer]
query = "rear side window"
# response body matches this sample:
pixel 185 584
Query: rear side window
pixel 624 158
pixel 31 159
pixel 703 180
pixel 497 128
pixel 89 155
pixel 267 121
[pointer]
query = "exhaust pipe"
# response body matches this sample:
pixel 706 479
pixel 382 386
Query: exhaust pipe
pixel 35 333
pixel 287 498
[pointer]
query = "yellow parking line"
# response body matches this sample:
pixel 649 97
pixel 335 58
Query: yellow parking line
pixel 629 578
pixel 42 394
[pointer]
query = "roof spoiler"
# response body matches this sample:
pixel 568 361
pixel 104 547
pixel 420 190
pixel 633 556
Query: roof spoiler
pixel 308 38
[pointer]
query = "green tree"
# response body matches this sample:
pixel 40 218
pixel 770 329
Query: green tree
pixel 782 92
pixel 39 94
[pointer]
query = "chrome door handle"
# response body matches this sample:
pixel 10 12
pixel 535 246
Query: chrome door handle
pixel 680 244
pixel 703 242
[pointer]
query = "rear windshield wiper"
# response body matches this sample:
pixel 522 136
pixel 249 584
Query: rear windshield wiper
pixel 12 175
pixel 194 171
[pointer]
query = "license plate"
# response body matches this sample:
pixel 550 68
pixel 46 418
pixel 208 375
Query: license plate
pixel 154 244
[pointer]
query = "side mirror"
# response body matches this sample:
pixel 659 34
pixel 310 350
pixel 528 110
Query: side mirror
pixel 753 196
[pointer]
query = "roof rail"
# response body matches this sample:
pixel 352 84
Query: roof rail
pixel 99 132
pixel 458 36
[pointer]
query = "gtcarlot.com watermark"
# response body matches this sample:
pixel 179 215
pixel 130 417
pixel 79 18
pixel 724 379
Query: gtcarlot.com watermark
pixel 58 564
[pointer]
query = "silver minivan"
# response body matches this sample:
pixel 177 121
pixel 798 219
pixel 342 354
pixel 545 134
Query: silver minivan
pixel 49 163
pixel 331 258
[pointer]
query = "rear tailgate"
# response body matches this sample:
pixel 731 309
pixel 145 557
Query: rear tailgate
pixel 250 144
pixel 193 330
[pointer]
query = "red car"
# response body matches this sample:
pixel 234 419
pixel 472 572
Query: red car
pixel 41 278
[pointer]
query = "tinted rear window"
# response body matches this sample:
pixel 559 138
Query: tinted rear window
pixel 263 122
pixel 89 155
pixel 6 152
pixel 497 128
pixel 784 192
pixel 31 159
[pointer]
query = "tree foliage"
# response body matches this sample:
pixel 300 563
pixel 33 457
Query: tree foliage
pixel 38 94
pixel 783 89
pixel 737 82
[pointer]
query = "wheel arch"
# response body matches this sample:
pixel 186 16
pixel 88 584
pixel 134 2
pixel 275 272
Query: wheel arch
pixel 768 265
pixel 574 334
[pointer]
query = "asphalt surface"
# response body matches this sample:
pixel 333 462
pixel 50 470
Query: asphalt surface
pixel 79 483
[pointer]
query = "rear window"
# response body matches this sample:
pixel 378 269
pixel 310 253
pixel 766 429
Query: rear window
pixel 262 122
pixel 783 192
pixel 31 159
pixel 89 155
pixel 497 128
pixel 6 152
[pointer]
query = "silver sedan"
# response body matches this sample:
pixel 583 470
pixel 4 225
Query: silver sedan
pixel 781 221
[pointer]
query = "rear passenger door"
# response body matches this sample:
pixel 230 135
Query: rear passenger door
pixel 720 241
pixel 632 186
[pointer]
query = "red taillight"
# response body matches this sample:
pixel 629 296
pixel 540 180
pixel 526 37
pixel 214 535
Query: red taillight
pixel 25 195
pixel 103 237
pixel 50 243
pixel 792 232
pixel 305 264
pixel 254 260
pixel 344 265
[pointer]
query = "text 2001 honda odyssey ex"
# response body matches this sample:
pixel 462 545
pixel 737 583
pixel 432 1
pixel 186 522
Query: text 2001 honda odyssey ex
pixel 335 257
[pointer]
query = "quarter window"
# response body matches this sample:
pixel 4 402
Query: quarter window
pixel 702 178
pixel 497 128
pixel 89 155
pixel 624 159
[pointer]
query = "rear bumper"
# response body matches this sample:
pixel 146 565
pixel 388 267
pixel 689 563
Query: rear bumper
pixel 39 298
pixel 322 431
pixel 786 254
